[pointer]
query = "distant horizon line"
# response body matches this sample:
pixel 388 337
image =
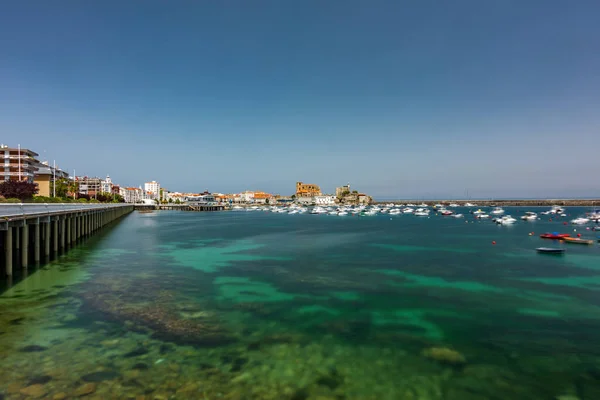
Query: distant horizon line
pixel 486 198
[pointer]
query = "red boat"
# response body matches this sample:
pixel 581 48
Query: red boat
pixel 554 235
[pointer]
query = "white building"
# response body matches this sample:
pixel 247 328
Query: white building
pixel 325 200
pixel 106 185
pixel 201 200
pixel 131 194
pixel 305 200
pixel 152 189
pixel 247 197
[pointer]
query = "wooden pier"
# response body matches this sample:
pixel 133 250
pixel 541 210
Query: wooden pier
pixel 30 235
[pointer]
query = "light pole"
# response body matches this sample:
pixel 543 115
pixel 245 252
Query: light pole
pixel 19 159
pixel 54 178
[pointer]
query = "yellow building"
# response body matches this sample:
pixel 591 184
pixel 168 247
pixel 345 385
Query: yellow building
pixel 307 190
pixel 44 177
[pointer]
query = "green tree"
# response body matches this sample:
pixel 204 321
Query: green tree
pixel 73 188
pixel 62 187
pixel 170 200
pixel 21 190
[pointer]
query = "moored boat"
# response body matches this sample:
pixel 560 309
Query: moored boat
pixel 577 240
pixel 550 250
pixel 554 235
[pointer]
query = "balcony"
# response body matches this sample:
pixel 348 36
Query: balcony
pixel 23 173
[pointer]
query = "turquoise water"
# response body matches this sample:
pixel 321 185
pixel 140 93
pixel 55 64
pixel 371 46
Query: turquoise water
pixel 256 305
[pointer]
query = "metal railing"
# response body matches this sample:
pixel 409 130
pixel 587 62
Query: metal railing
pixel 32 209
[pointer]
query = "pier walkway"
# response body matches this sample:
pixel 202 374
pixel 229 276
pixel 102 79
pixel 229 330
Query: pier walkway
pixel 31 231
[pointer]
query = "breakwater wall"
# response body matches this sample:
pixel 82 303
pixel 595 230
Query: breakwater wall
pixel 504 202
pixel 32 233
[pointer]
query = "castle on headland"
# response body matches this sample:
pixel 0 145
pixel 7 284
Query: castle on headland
pixel 311 194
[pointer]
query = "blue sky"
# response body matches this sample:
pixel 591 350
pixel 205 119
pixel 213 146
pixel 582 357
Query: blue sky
pixel 401 99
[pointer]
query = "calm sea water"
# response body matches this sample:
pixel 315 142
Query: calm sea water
pixel 255 305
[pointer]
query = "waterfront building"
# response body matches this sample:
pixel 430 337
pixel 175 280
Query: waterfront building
pixel 106 185
pixel 307 189
pixel 247 197
pixel 132 195
pixel 263 198
pixel 342 191
pixel 325 200
pixel 306 200
pixel 45 176
pixel 202 199
pixel 153 188
pixel 89 186
pixel 19 164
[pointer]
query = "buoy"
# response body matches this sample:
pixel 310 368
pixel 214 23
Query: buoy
pixel 550 220
pixel 564 223
pixel 494 242
pixel 579 235
pixel 530 234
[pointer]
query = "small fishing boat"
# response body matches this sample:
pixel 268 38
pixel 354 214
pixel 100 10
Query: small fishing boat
pixel 550 250
pixel 554 235
pixel 577 240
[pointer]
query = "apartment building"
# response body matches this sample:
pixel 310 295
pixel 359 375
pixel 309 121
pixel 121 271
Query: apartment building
pixel 18 164
pixel 152 190
pixel 45 176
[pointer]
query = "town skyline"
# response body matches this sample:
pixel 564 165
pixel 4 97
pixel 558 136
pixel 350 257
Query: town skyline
pixel 402 100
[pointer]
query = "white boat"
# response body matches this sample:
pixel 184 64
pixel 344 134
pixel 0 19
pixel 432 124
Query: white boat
pixel 506 220
pixel 342 213
pixel 408 210
pixel 370 213
pixel 580 221
pixel 529 216
pixel 457 216
pixel 497 211
pixel 479 212
pixel 421 213
pixel 454 205
pixel 469 205
pixel 482 216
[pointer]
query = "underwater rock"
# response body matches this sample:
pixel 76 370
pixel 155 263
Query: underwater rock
pixel 146 306
pixel 100 376
pixel 35 391
pixel 33 348
pixel 331 380
pixel 42 380
pixel 85 389
pixel 140 366
pixel 444 355
pixel 140 351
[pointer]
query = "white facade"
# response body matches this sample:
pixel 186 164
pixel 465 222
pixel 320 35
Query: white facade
pixel 152 189
pixel 203 199
pixel 131 195
pixel 247 197
pixel 325 200
pixel 106 185
pixel 305 200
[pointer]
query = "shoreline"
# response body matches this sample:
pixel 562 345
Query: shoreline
pixel 500 203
